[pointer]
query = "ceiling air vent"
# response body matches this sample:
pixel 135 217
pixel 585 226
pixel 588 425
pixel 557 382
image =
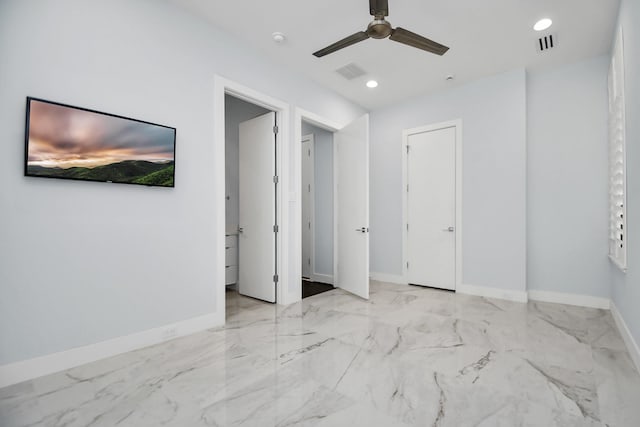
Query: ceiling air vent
pixel 547 42
pixel 351 71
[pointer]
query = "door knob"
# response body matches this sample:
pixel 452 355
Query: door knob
pixel 450 229
pixel 363 230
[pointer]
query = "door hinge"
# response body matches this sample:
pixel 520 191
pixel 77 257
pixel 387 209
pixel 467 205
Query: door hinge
pixel 276 179
pixel 407 188
pixel 407 227
pixel 275 129
pixel 309 188
pixel 309 225
pixel 309 152
pixel 407 265
pixel 275 278
pixel 276 229
pixel 407 149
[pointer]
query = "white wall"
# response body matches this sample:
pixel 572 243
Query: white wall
pixel 626 287
pixel 84 262
pixel 323 201
pixel 493 113
pixel 236 112
pixel 567 176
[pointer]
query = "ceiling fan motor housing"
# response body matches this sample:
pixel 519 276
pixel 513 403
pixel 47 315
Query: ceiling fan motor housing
pixel 379 29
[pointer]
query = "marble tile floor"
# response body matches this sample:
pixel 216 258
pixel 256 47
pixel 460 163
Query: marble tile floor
pixel 409 356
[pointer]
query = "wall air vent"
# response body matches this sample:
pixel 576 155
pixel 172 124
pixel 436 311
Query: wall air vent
pixel 351 71
pixel 547 42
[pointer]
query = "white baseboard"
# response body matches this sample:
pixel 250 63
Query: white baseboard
pixel 322 278
pixel 570 299
pixel 388 278
pixel 485 291
pixel 632 345
pixel 17 372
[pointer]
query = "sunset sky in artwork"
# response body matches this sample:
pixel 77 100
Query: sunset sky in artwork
pixel 65 137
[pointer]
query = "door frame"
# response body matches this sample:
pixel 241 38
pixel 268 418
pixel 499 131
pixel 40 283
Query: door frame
pixel 310 138
pixel 457 124
pixel 296 221
pixel 222 87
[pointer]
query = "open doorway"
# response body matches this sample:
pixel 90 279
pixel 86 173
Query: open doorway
pixel 285 234
pixel 350 174
pixel 317 200
pixel 250 205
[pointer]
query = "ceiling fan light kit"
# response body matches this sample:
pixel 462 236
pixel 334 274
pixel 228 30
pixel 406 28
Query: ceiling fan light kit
pixel 380 28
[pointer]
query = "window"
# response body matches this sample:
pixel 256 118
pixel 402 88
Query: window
pixel 617 159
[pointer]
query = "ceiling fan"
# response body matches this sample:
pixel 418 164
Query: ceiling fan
pixel 380 28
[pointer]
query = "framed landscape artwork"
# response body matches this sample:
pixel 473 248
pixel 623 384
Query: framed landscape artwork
pixel 62 141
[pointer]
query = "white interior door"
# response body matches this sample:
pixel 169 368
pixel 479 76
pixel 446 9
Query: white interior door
pixel 257 213
pixel 431 208
pixel 351 259
pixel 307 192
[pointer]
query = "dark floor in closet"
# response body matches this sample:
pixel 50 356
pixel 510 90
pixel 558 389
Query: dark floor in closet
pixel 313 288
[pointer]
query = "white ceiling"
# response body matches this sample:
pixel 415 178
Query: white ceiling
pixel 485 36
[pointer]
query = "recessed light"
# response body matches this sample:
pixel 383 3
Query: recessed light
pixel 278 37
pixel 372 83
pixel 543 24
pixel 450 77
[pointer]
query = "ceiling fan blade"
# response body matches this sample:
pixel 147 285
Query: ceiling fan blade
pixel 379 7
pixel 347 41
pixel 401 35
